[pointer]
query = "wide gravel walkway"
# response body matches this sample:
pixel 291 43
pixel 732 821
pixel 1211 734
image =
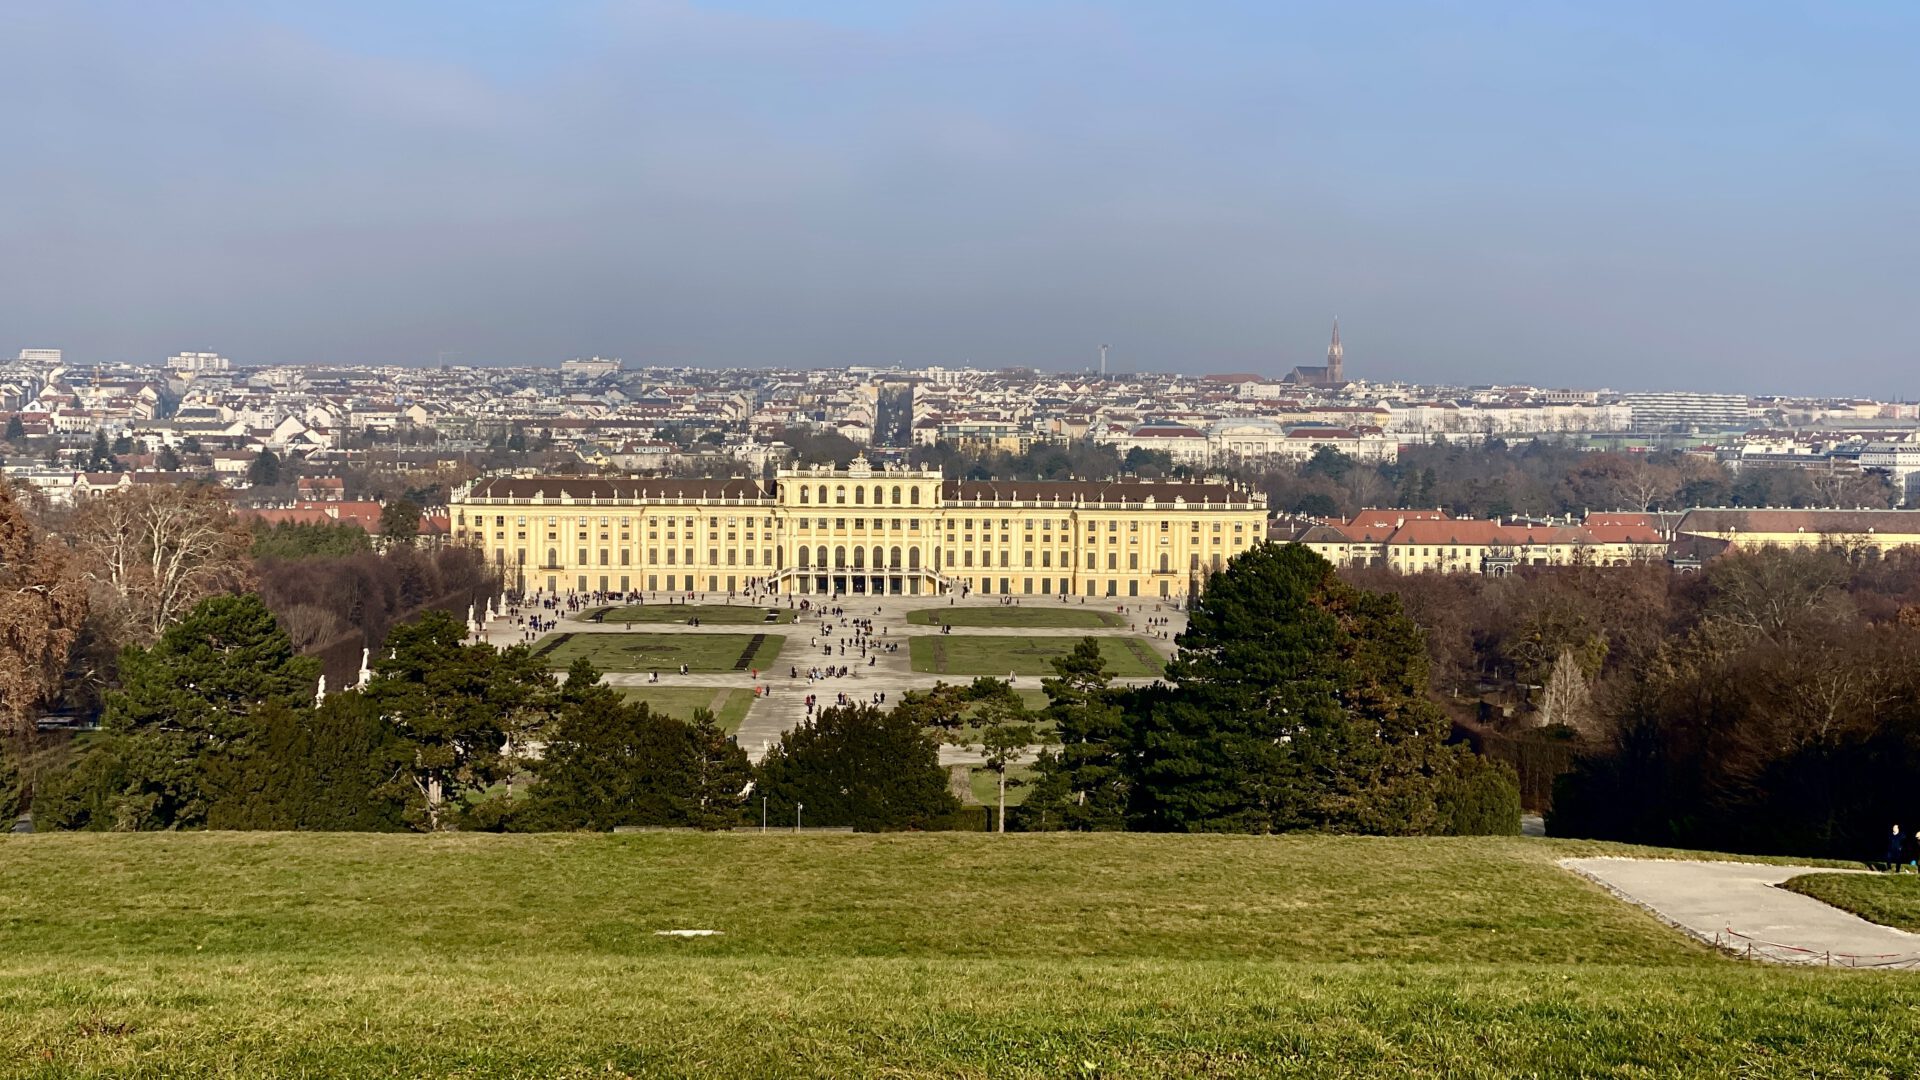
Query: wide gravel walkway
pixel 1736 906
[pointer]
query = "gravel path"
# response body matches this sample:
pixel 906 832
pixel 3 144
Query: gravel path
pixel 1737 907
pixel 783 707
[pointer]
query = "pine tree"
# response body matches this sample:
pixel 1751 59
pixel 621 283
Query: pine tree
pixel 856 765
pixel 1083 784
pixel 721 775
pixel 193 694
pixel 609 762
pixel 400 521
pixel 209 671
pixel 264 470
pixel 1298 701
pixel 454 706
pixel 100 457
pixel 321 769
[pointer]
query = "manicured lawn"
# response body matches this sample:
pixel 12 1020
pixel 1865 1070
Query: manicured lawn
pixel 1036 614
pixel 729 707
pixel 714 614
pixel 702 653
pixel 995 654
pixel 986 786
pixel 1888 899
pixel 884 956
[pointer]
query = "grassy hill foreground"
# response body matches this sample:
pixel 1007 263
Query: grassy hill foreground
pixel 897 956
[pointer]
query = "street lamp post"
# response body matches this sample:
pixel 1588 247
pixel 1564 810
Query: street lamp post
pixel 763 813
pixel 797 807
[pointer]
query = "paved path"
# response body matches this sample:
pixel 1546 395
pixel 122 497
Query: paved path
pixel 1736 906
pixel 784 706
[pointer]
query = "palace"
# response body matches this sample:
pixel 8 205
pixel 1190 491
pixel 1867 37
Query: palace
pixel 859 530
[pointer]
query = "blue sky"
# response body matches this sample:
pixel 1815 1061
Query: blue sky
pixel 1711 196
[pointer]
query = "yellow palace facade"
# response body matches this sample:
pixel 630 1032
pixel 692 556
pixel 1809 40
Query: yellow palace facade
pixel 858 530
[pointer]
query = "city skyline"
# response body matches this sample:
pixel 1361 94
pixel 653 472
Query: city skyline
pixel 1698 198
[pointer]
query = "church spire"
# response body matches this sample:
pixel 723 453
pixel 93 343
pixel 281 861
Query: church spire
pixel 1335 355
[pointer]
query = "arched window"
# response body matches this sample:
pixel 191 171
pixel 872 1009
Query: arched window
pixel 820 557
pixel 839 558
pixel 806 556
pixel 823 494
pixel 553 557
pixel 896 494
pixel 859 558
pixel 895 561
pixel 879 495
pixel 879 558
pixel 840 493
pixel 913 558
pixel 914 496
pixel 859 495
pixel 803 493
pixel 1163 561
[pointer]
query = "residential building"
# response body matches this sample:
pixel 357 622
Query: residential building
pixel 1856 530
pixel 1679 410
pixel 591 367
pixel 198 362
pixel 1435 542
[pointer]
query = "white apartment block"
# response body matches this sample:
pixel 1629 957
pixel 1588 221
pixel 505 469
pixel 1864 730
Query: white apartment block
pixel 1656 411
pixel 1901 462
pixel 591 367
pixel 198 362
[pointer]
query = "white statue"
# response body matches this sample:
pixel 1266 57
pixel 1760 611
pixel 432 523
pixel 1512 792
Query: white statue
pixel 320 695
pixel 366 673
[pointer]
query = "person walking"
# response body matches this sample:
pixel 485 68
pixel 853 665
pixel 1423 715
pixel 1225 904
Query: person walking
pixel 1896 850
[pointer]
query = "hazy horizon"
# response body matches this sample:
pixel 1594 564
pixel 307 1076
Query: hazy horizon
pixel 1699 197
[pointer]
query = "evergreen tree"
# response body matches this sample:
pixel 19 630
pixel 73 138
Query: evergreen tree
pixel 209 671
pixel 456 709
pixel 856 765
pixel 168 459
pixel 192 694
pixel 1297 702
pixel 400 520
pixel 100 457
pixel 1084 783
pixel 294 540
pixel 313 769
pixel 15 429
pixel 722 775
pixel 265 469
pixel 611 762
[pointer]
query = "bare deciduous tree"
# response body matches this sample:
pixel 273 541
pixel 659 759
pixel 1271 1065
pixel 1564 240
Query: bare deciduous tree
pixel 157 550
pixel 1567 699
